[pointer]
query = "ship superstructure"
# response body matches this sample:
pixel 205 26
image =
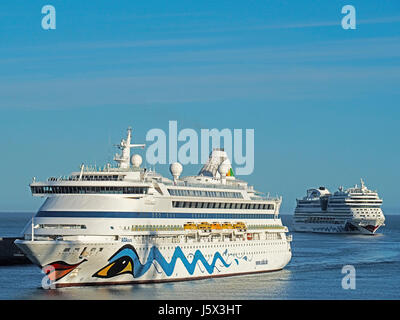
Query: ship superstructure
pixel 126 224
pixel 354 210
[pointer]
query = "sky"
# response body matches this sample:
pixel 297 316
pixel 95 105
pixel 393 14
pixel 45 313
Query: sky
pixel 323 101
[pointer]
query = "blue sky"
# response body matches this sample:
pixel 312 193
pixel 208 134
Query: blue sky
pixel 323 101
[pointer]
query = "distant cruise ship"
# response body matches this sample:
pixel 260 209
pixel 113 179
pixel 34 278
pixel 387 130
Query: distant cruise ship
pixel 355 210
pixel 126 224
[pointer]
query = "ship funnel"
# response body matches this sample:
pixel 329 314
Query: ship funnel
pixel 223 170
pixel 211 168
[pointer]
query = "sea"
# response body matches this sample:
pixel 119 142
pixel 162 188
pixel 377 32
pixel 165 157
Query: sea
pixel 323 267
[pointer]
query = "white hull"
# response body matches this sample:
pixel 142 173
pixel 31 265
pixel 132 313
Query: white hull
pixel 147 264
pixel 348 227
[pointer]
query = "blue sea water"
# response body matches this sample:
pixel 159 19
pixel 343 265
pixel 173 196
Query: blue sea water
pixel 315 272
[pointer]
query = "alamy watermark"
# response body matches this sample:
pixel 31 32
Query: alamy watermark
pixel 49 20
pixel 349 20
pixel 48 279
pixel 349 280
pixel 195 148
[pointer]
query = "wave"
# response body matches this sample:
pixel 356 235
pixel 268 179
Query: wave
pixel 318 266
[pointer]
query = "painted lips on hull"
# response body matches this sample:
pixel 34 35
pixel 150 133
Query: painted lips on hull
pixel 59 269
pixel 371 228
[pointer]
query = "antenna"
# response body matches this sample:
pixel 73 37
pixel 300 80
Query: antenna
pixel 81 173
pixel 125 146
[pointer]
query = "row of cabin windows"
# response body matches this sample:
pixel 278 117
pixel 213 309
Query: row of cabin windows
pixel 84 190
pixel 91 178
pixel 323 220
pixel 212 215
pixel 202 193
pixel 102 177
pixel 62 226
pixel 222 205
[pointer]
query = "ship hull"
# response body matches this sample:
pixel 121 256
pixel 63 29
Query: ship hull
pixel 348 227
pixel 76 263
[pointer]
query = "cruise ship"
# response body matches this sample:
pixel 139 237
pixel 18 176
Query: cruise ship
pixel 124 224
pixel 354 210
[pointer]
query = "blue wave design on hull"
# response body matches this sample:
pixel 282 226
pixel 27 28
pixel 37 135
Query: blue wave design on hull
pixel 128 254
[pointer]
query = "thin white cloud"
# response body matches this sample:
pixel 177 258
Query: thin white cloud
pixel 294 25
pixel 280 84
pixel 75 46
pixel 317 24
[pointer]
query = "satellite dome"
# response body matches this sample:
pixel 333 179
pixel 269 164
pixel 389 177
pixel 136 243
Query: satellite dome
pixel 136 160
pixel 176 169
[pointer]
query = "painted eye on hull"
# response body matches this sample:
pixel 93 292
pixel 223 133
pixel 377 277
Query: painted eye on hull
pixel 120 266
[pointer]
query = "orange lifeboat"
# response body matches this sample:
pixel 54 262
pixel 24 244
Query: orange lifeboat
pixel 189 226
pixel 227 225
pixel 239 226
pixel 204 227
pixel 216 226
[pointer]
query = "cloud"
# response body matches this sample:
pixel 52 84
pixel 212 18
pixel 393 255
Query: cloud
pixel 293 25
pixel 318 24
pixel 279 84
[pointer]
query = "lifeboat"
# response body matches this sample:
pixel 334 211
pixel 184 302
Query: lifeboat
pixel 204 228
pixel 216 227
pixel 227 228
pixel 190 228
pixel 239 228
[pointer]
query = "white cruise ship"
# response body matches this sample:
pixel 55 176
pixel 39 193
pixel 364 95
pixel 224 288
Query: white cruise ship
pixel 355 210
pixel 126 224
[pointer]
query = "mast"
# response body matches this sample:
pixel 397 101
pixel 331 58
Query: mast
pixel 362 184
pixel 125 146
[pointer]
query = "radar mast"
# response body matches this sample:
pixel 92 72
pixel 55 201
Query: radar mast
pixel 125 146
